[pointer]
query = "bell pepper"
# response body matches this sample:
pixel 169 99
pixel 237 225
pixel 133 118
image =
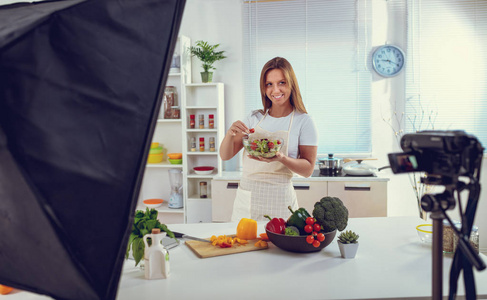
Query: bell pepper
pixel 247 229
pixel 275 225
pixel 298 219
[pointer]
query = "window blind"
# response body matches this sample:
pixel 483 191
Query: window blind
pixel 326 43
pixel 447 69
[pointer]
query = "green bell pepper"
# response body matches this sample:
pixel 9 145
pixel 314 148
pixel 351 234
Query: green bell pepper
pixel 298 219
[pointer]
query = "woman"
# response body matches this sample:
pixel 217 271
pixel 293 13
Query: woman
pixel 265 187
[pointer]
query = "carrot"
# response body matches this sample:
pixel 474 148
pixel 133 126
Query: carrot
pixel 4 290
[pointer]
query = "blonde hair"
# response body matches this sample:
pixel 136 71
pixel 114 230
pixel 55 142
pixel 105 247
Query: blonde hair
pixel 286 68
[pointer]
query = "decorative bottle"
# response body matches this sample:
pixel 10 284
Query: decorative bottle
pixel 156 257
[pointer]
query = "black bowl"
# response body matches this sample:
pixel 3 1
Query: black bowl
pixel 298 243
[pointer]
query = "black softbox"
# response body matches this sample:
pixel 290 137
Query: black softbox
pixel 80 86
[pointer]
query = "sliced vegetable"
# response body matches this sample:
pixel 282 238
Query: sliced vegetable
pixel 276 225
pixel 261 244
pixel 264 236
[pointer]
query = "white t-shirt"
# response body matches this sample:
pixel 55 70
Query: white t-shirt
pixel 303 130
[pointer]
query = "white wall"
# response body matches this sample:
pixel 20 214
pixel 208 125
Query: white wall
pixel 219 21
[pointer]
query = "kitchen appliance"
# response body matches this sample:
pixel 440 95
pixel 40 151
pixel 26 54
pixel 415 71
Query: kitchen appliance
pixel 176 181
pixel 330 166
pixel 357 168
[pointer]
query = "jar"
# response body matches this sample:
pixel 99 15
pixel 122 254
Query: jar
pixel 474 240
pixel 203 189
pixel 169 100
pixel 192 121
pixel 448 235
pixel 212 144
pixel 175 112
pixel 202 121
pixel 211 121
pixel 202 144
pixel 193 144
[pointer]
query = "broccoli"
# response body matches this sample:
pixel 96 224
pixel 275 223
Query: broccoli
pixel 291 230
pixel 331 214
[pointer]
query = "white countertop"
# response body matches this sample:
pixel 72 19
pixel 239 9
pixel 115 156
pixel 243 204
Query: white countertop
pixel 391 262
pixel 236 175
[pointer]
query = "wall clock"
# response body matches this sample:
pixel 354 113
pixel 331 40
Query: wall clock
pixel 388 60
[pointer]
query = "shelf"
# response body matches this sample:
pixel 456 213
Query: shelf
pixel 196 197
pixel 203 153
pixel 168 120
pixel 164 165
pixel 175 74
pixel 202 84
pixel 201 107
pixel 164 209
pixel 197 130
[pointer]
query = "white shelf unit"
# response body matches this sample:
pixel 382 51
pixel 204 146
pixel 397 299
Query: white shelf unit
pixel 169 133
pixel 205 99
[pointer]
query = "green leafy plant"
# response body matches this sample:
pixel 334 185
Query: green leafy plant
pixel 144 222
pixel 348 237
pixel 207 54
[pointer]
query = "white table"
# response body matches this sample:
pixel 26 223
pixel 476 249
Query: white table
pixel 391 263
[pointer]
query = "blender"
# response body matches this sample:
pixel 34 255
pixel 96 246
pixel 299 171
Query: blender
pixel 176 181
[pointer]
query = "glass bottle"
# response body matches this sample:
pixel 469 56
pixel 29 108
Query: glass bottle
pixel 474 239
pixel 193 144
pixel 211 121
pixel 203 189
pixel 212 144
pixel 202 121
pixel 169 100
pixel 192 121
pixel 202 144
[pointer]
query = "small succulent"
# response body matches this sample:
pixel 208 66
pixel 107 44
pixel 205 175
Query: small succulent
pixel 348 237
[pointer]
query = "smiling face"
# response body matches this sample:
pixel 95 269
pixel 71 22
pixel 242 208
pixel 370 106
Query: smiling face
pixel 277 88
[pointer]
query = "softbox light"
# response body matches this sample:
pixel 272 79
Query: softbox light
pixel 80 86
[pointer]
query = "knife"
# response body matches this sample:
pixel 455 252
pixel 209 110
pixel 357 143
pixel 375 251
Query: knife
pixel 185 236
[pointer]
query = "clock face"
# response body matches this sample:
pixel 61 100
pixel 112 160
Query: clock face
pixel 388 60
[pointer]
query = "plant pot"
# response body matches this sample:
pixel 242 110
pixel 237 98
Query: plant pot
pixel 348 250
pixel 206 76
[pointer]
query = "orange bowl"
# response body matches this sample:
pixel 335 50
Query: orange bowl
pixel 175 155
pixel 153 203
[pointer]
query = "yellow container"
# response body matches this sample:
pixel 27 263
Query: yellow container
pixel 155 158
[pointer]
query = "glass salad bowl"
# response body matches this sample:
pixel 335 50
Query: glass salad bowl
pixel 266 147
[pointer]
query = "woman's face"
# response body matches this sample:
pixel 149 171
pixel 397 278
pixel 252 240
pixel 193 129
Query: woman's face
pixel 277 88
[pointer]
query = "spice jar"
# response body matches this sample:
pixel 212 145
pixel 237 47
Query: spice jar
pixel 192 121
pixel 175 112
pixel 202 121
pixel 202 144
pixel 212 144
pixel 169 100
pixel 448 235
pixel 211 121
pixel 203 189
pixel 193 144
pixel 474 239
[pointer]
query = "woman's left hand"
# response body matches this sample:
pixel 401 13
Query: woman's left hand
pixel 279 156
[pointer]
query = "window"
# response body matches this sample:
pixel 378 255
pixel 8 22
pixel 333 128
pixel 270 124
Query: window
pixel 447 68
pixel 326 43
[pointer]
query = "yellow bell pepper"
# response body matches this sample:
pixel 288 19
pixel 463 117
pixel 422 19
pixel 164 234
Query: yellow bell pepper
pixel 247 229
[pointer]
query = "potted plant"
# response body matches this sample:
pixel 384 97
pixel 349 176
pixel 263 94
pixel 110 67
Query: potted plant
pixel 144 222
pixel 208 55
pixel 348 244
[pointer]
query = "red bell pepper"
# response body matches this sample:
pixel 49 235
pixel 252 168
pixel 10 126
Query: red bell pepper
pixel 276 225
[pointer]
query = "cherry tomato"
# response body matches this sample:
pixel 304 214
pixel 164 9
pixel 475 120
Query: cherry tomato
pixel 251 130
pixel 310 239
pixel 270 145
pixel 308 228
pixel 320 237
pixel 310 220
pixel 316 227
pixel 253 146
pixel 316 243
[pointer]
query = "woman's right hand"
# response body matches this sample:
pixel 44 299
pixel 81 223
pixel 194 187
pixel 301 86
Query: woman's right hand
pixel 238 127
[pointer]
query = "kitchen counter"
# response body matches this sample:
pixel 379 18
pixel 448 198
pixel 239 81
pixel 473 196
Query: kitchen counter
pixel 391 262
pixel 235 175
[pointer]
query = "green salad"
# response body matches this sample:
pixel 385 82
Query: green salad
pixel 262 147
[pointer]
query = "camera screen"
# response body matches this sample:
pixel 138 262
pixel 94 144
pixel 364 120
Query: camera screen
pixel 403 162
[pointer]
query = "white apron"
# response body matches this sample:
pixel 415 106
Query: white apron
pixel 265 188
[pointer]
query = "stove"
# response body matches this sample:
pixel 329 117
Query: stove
pixel 317 173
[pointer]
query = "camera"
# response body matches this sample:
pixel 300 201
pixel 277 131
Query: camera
pixel 442 155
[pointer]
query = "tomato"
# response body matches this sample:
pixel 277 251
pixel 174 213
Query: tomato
pixel 316 243
pixel 310 239
pixel 310 220
pixel 251 130
pixel 270 145
pixel 308 228
pixel 253 146
pixel 316 227
pixel 320 237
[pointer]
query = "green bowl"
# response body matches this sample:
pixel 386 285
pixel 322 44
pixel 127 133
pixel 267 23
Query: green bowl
pixel 175 161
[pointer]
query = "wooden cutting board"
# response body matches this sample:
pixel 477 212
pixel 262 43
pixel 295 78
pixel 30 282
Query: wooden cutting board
pixel 204 250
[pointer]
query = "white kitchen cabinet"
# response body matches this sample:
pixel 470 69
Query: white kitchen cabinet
pixel 366 198
pixel 168 133
pixel 201 99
